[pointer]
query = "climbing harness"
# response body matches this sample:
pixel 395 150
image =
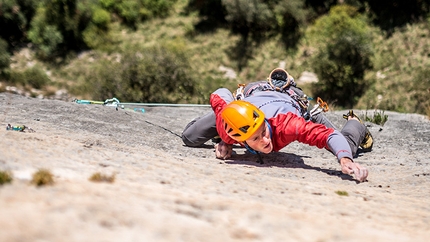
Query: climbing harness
pixel 296 93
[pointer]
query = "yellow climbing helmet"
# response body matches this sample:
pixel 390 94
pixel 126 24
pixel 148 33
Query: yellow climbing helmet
pixel 241 120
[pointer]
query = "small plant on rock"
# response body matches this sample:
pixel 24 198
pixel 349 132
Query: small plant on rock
pixel 342 193
pixel 378 118
pixel 5 177
pixel 98 177
pixel 42 177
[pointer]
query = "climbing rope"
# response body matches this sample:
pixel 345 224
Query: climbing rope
pixel 114 102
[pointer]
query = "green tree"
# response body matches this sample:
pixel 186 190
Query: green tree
pixel 131 13
pixel 390 14
pixel 342 43
pixel 401 71
pixel 212 14
pixel 58 25
pixel 15 17
pixel 97 34
pixel 258 20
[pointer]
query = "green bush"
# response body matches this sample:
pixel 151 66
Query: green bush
pixel 257 22
pixel 159 73
pixel 34 77
pixel 97 33
pixel 15 17
pixel 129 11
pixel 212 14
pixel 99 177
pixel 342 53
pixel 47 39
pixel 4 57
pixel 97 38
pixel 42 177
pixel 101 17
pixel 5 177
pixel 379 117
pixel 401 72
pixel 132 13
pixel 57 26
pixel 158 8
pixel 421 90
pixel 246 16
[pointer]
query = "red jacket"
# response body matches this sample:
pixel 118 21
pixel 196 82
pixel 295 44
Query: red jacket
pixel 288 127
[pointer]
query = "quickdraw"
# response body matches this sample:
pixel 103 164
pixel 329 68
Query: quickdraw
pixel 238 94
pixel 20 128
pixel 321 106
pixel 113 102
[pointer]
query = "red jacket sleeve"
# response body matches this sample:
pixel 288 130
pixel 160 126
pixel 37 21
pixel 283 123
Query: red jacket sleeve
pixel 290 127
pixel 218 104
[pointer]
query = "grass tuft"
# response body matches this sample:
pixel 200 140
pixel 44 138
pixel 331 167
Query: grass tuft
pixel 98 177
pixel 5 177
pixel 379 117
pixel 42 177
pixel 342 193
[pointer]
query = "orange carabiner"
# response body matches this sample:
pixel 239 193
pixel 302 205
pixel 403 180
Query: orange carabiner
pixel 322 104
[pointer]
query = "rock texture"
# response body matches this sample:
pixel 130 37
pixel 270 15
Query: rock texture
pixel 164 191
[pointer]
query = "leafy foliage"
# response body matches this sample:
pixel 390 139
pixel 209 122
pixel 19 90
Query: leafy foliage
pixel 211 12
pixel 4 57
pixel 47 37
pixel 342 193
pixel 5 177
pixel 379 117
pixel 142 74
pixel 58 25
pixel 343 53
pixel 97 34
pixel 401 72
pixel 133 12
pixel 61 26
pixel 34 77
pixel 391 14
pixel 15 17
pixel 257 21
pixel 249 17
pixel 42 177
